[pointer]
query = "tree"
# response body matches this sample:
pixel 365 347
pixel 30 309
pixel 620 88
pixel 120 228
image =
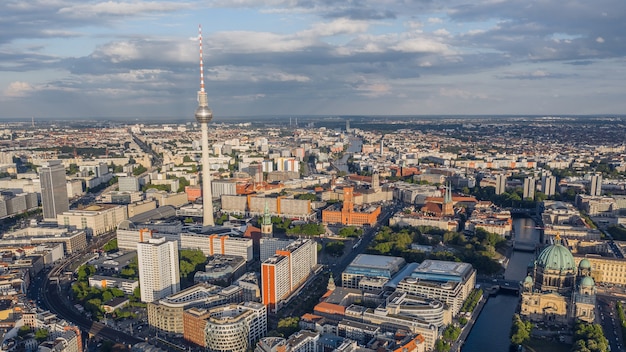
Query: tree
pixel 41 335
pixel 520 331
pixel 335 248
pixel 110 246
pixel 287 326
pixel 85 271
pixel 23 331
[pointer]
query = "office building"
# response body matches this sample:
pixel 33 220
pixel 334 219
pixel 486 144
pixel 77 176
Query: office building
pixel 167 315
pixel 54 200
pixel 235 327
pixel 158 268
pixel 286 271
pixel 449 282
pixel 371 267
pixel 128 184
pixel 96 219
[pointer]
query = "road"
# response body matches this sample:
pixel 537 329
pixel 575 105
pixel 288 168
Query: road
pixel 57 302
pixel 607 318
pixel 366 239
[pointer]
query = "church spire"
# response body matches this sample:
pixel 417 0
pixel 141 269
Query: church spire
pixel 266 222
pixel 331 283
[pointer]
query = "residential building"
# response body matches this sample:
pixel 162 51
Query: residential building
pixel 286 271
pixel 158 268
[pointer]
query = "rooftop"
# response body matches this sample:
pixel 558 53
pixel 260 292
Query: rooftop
pixel 377 261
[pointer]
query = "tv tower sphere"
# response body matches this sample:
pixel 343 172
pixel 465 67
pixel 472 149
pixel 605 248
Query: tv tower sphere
pixel 203 112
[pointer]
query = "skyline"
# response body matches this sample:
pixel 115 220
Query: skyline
pixel 68 59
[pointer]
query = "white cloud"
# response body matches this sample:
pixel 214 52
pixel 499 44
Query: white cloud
pixel 120 8
pixel 421 45
pixel 374 90
pixel 336 27
pixel 600 40
pixel 435 20
pixel 460 93
pixel 18 89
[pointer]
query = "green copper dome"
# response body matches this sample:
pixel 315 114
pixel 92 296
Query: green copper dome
pixel 556 257
pixel 584 264
pixel 528 280
pixel 587 282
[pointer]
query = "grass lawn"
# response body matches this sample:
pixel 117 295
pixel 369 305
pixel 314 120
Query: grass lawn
pixel 540 345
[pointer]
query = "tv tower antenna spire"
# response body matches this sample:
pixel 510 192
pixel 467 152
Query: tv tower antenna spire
pixel 204 115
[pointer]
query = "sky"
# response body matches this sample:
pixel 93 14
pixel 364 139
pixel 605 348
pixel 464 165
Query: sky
pixel 140 59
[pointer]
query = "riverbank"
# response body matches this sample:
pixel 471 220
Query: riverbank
pixel 456 347
pixel 491 330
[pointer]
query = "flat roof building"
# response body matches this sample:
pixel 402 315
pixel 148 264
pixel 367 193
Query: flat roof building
pixel 449 282
pixel 370 266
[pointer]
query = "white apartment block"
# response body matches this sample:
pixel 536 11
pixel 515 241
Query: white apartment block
pixel 286 271
pixel 158 268
pixel 217 244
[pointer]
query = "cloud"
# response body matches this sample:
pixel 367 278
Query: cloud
pixel 120 8
pixel 18 89
pixel 461 94
pixel 536 74
pixel 374 90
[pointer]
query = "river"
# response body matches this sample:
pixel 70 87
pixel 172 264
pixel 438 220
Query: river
pixel 491 331
pixel 356 145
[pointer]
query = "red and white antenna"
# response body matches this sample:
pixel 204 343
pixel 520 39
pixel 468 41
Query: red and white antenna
pixel 201 60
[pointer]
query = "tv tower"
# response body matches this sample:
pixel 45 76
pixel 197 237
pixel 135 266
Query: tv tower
pixel 204 115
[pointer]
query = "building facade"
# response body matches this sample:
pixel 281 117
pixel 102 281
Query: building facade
pixel 158 268
pixel 54 200
pixel 286 271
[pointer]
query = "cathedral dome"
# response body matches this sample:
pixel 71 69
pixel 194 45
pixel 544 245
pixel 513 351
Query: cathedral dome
pixel 528 280
pixel 587 282
pixel 584 264
pixel 556 257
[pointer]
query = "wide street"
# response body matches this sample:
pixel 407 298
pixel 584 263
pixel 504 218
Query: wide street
pixel 607 318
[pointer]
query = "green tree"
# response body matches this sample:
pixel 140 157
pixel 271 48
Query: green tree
pixel 110 246
pixel 41 335
pixel 335 248
pixel 85 271
pixel 23 331
pixel 520 331
pixel 287 326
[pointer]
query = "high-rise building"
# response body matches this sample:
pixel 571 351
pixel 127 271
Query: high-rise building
pixel 500 183
pixel 204 115
pixel 54 198
pixel 286 271
pixel 158 268
pixel 595 188
pixel 529 188
pixel 548 185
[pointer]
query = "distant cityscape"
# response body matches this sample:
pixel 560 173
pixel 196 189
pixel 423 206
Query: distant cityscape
pixel 326 234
